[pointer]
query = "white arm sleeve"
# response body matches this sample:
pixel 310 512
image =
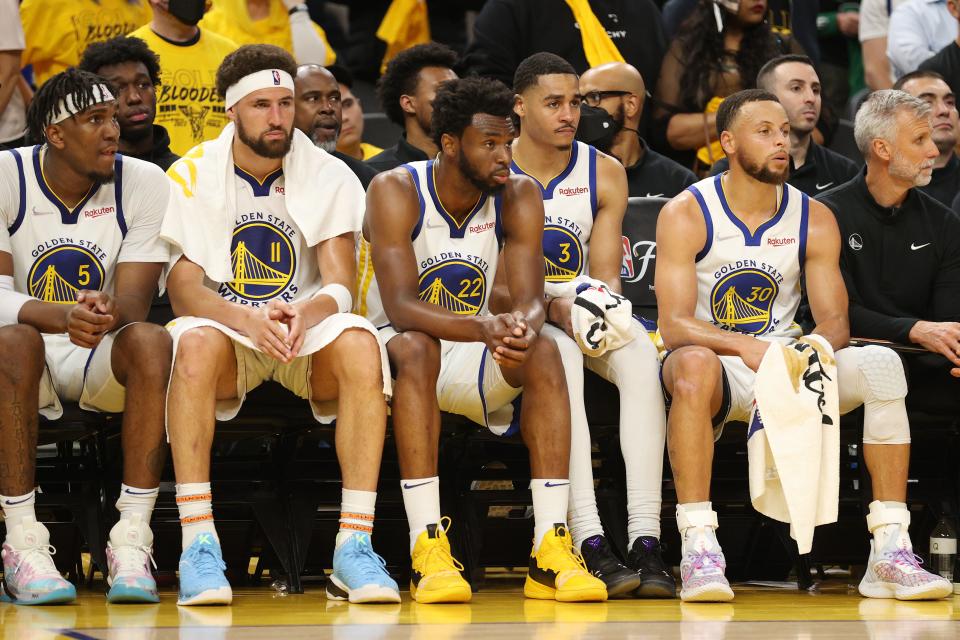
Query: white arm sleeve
pixel 307 45
pixel 10 301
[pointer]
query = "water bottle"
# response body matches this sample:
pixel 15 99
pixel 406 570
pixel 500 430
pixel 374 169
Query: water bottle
pixel 943 549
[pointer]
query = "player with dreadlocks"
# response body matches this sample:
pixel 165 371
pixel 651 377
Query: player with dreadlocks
pixel 80 258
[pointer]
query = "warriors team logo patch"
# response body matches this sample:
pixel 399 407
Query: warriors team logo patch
pixel 263 261
pixel 59 274
pixel 741 301
pixel 562 254
pixel 456 285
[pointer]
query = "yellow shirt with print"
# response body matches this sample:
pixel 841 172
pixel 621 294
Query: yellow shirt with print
pixel 187 102
pixel 58 31
pixel 231 19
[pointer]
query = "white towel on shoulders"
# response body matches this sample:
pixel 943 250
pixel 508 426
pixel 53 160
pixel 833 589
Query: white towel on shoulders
pixel 793 441
pixel 323 196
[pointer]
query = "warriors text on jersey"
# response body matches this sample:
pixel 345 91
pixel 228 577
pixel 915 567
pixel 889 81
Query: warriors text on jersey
pixel 456 263
pixel 57 250
pixel 750 282
pixel 268 254
pixel 570 206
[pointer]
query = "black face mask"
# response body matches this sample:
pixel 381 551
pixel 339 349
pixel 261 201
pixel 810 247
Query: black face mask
pixel 597 127
pixel 187 11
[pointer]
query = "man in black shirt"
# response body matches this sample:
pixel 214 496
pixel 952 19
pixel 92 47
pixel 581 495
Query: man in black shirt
pixel 406 93
pixel 946 62
pixel 813 169
pixel 901 248
pixel 319 115
pixel 930 87
pixel 617 89
pixel 134 71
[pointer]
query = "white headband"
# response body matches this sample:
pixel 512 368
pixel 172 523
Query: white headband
pixel 68 106
pixel 266 79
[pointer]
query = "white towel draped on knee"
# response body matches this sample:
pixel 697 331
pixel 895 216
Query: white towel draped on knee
pixel 793 440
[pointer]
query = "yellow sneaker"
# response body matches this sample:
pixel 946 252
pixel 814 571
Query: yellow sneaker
pixel 436 573
pixel 558 573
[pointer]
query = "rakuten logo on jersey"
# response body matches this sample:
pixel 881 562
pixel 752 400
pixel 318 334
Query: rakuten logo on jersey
pixel 573 191
pixel 480 228
pixel 96 213
pixel 781 242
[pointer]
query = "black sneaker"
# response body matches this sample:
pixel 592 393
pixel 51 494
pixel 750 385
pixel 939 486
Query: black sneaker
pixel 656 579
pixel 603 563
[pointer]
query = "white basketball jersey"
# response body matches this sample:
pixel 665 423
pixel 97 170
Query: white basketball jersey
pixel 58 250
pixel 268 254
pixel 750 282
pixel 570 206
pixel 456 263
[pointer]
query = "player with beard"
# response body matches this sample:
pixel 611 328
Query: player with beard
pixel 433 233
pixel 731 251
pixel 80 258
pixel 319 114
pixel 283 316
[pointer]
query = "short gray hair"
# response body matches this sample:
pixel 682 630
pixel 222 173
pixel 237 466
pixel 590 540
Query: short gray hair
pixel 876 117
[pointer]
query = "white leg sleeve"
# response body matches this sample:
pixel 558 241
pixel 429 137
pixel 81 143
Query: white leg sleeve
pixel 873 376
pixel 582 516
pixel 635 370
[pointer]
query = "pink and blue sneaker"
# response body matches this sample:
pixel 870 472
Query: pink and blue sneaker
pixel 29 574
pixel 129 558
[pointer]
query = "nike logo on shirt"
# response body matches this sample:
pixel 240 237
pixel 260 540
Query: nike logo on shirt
pixel 821 187
pixel 914 247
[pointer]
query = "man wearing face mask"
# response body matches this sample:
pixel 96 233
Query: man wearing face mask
pixel 614 95
pixel 319 114
pixel 187 102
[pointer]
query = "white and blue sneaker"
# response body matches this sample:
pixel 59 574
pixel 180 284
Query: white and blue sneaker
pixel 202 580
pixel 29 574
pixel 129 558
pixel 359 574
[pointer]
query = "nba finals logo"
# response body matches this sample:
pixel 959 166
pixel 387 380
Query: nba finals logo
pixel 276 77
pixel 562 254
pixel 263 262
pixel 741 301
pixel 59 274
pixel 456 285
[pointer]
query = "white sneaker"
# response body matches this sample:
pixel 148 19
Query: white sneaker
pixel 895 572
pixel 129 557
pixel 29 573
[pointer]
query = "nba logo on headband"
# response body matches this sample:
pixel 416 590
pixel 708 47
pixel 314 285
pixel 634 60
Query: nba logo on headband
pixel 276 77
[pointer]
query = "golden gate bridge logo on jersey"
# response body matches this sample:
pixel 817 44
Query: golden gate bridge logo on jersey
pixel 562 254
pixel 456 285
pixel 263 261
pixel 741 301
pixel 59 274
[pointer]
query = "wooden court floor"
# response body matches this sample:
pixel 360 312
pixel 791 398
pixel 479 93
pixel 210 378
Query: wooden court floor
pixel 500 612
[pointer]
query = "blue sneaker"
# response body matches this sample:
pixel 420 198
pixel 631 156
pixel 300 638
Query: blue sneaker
pixel 201 573
pixel 359 574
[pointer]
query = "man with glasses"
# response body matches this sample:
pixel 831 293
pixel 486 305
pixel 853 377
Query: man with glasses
pixel 616 92
pixel 319 114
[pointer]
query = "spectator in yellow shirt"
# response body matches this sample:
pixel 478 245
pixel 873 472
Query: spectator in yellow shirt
pixel 57 31
pixel 188 105
pixel 284 23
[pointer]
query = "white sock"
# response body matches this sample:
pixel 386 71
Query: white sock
pixel 195 504
pixel 356 513
pixel 421 499
pixel 17 508
pixel 134 500
pixel 550 498
pixel 698 538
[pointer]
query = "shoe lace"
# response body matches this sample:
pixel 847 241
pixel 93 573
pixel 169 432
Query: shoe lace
pixel 38 559
pixel 905 555
pixel 440 553
pixel 375 566
pixel 206 561
pixel 564 554
pixel 707 561
pixel 130 558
